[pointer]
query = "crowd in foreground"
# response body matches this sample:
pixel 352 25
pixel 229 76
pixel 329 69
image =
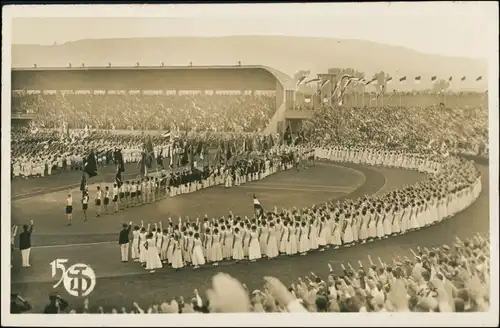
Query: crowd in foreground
pixel 450 278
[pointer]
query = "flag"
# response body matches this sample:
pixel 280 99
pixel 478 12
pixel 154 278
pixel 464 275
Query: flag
pixel 370 82
pixel 324 83
pixel 150 153
pixel 313 80
pixel 199 148
pixel 90 166
pixel 389 80
pixel 434 79
pixel 288 135
pixel 257 206
pixel 143 168
pixel 159 158
pixel 118 178
pixel 83 183
pixel 463 78
pixel 402 80
pixel 271 141
pixel 229 154
pixel 479 78
pixel 119 160
pixel 301 80
pixel 167 136
pixel 417 79
pixel 185 155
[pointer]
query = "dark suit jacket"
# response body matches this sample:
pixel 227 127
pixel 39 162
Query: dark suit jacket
pixel 25 239
pixel 124 235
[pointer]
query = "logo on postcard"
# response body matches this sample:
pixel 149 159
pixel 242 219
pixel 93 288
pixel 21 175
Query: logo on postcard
pixel 79 280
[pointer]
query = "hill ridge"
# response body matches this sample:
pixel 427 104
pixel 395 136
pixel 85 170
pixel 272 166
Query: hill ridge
pixel 285 53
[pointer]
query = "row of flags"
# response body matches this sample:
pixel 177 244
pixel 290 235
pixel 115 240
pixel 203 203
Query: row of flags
pixel 418 79
pixel 390 79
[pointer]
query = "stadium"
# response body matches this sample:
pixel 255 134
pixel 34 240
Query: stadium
pixel 155 170
pixel 62 115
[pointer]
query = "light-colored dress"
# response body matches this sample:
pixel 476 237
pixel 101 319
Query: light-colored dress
pixel 336 240
pixel 313 236
pixel 152 258
pixel 142 249
pixel 135 245
pixel 227 246
pixel 177 262
pixel 284 239
pixel 246 242
pixel 387 224
pixel 363 230
pixel 264 232
pixel 197 253
pixel 303 240
pixel 216 248
pixel 322 234
pixel 395 222
pixel 238 247
pixel 254 247
pixel 348 237
pixel 292 245
pixel 380 225
pixel 272 244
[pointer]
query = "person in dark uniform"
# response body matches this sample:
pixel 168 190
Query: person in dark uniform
pixel 25 244
pixel 123 240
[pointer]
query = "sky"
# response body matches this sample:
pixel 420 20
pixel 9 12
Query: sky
pixel 443 28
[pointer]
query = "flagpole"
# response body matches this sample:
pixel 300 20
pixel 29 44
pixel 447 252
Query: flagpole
pixel 363 100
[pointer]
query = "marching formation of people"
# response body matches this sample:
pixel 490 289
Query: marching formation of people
pixel 452 185
pixel 173 182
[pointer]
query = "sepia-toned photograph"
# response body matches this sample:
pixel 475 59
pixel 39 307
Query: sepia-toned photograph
pixel 290 164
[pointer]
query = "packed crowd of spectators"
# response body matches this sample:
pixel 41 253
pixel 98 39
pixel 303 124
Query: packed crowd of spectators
pixel 458 130
pixel 149 112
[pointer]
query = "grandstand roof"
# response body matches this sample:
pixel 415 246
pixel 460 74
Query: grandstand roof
pixel 283 78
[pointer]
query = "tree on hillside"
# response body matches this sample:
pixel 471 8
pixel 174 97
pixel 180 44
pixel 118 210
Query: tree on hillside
pixel 440 85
